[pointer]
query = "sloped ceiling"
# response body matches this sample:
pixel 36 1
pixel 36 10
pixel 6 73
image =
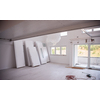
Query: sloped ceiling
pixel 94 34
pixel 5 24
pixel 29 28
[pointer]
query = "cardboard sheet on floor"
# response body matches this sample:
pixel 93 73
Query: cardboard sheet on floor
pixel 19 53
pixel 40 50
pixel 34 58
pixel 28 44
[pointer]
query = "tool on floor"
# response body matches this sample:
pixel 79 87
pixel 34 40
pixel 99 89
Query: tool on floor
pixel 72 77
pixel 88 75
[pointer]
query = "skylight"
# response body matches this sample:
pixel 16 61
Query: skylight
pixel 88 30
pixel 63 33
pixel 96 29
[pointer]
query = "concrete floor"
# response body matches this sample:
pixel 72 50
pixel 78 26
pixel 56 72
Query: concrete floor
pixel 49 71
pixel 91 66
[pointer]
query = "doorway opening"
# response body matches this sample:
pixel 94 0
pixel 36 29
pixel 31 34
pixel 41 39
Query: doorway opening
pixel 81 56
pixel 87 56
pixel 95 56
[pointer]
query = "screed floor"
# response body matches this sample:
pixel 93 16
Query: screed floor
pixel 49 71
pixel 91 66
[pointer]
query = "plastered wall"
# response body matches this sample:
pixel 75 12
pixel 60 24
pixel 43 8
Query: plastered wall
pixel 7 55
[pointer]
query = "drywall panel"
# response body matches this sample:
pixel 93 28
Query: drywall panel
pixel 34 58
pixel 46 54
pixel 19 53
pixel 40 50
pixel 28 44
pixel 7 53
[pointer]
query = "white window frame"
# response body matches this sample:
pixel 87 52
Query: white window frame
pixel 60 51
pixel 89 58
pixel 51 51
pixel 62 34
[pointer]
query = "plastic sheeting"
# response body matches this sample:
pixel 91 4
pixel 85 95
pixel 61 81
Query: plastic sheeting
pixel 53 38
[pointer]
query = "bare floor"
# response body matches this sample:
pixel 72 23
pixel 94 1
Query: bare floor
pixel 91 66
pixel 49 71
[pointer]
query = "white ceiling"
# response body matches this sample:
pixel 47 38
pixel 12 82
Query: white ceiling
pixel 94 34
pixel 28 28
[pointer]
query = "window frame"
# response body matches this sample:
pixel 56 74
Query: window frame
pixel 51 50
pixel 60 51
pixel 62 34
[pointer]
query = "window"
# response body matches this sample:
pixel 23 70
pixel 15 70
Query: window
pixel 58 50
pixel 63 50
pixel 82 50
pixel 95 50
pixel 83 30
pixel 96 29
pixel 52 50
pixel 88 30
pixel 63 33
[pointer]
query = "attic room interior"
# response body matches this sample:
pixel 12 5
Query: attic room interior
pixel 49 49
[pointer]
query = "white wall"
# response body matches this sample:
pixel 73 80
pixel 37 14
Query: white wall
pixel 65 41
pixel 7 55
pixel 58 58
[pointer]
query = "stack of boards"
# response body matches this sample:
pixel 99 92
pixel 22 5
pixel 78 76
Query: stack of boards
pixel 35 55
pixel 42 51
